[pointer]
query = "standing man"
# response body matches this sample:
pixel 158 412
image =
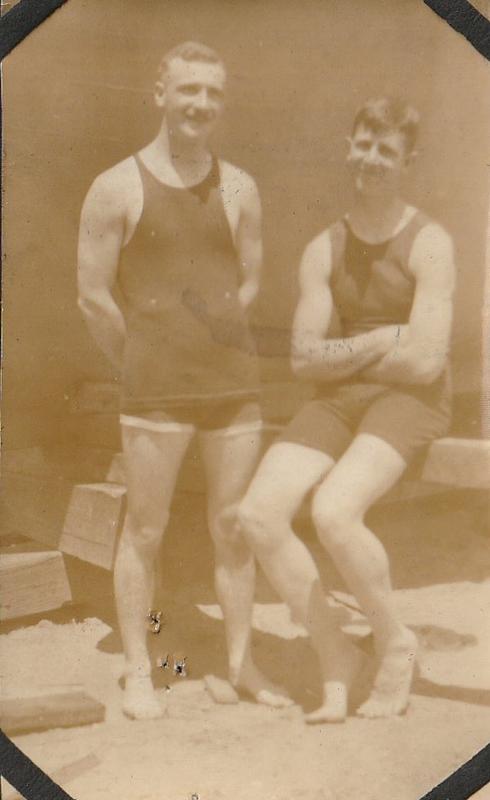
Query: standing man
pixel 179 232
pixel 382 396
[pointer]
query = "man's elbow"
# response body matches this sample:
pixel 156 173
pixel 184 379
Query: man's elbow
pixel 83 304
pixel 86 304
pixel 90 304
pixel 426 370
pixel 299 367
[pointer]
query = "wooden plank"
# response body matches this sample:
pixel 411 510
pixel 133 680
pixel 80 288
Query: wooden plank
pixel 463 463
pixel 42 508
pixel 94 507
pixel 35 506
pixel 58 710
pixel 406 490
pixel 101 555
pixel 92 522
pixel 32 582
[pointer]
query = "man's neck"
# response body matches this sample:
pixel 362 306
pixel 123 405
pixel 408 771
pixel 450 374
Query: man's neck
pixel 175 161
pixel 376 219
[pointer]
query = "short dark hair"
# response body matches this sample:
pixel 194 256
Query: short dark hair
pixel 385 114
pixel 189 51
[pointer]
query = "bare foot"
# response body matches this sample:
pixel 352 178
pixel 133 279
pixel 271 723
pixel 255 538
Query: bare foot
pixel 391 689
pixel 140 700
pixel 252 682
pixel 221 690
pixel 336 692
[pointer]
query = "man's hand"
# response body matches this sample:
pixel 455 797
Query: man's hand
pixel 313 356
pixel 247 294
pixel 419 356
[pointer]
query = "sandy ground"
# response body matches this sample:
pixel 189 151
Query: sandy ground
pixel 250 752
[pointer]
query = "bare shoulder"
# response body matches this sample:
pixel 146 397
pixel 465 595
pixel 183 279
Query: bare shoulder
pixel 432 247
pixel 316 261
pixel 235 179
pixel 116 188
pixel 432 240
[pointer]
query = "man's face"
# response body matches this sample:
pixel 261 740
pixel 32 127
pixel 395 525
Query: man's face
pixel 192 95
pixel 377 160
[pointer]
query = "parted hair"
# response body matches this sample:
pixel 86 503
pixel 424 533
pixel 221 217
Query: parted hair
pixel 188 51
pixel 389 114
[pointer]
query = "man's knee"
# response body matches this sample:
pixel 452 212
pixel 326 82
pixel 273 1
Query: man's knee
pixel 224 527
pixel 146 531
pixel 260 528
pixel 333 519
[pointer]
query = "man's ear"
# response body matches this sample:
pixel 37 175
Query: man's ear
pixel 159 94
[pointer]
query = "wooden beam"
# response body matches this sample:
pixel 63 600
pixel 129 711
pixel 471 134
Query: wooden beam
pixel 55 710
pixel 92 523
pixel 32 582
pixel 35 506
pixel 461 463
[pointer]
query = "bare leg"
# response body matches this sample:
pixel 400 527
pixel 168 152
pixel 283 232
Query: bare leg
pixel 286 474
pixel 230 460
pixel 152 464
pixel 364 473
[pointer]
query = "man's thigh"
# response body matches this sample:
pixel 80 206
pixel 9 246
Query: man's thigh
pixel 366 471
pixel 231 447
pixel 153 456
pixel 286 474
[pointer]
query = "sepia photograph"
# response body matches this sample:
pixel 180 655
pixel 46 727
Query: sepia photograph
pixel 245 457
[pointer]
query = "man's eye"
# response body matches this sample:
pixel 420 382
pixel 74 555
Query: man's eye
pixel 387 152
pixel 190 89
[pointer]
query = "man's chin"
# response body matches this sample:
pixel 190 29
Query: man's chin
pixel 196 131
pixel 371 187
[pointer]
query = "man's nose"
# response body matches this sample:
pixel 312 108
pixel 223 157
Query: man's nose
pixel 372 156
pixel 201 99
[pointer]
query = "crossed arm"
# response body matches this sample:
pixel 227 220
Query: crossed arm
pixel 313 356
pixel 421 356
pixel 100 241
pixel 413 353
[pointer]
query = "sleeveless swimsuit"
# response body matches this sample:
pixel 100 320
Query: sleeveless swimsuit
pixel 372 286
pixel 188 340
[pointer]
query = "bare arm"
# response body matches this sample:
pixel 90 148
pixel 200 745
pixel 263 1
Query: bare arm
pixel 313 356
pixel 249 240
pixel 100 241
pixel 420 356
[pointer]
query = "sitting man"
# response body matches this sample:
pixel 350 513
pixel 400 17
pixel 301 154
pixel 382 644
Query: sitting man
pixel 382 397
